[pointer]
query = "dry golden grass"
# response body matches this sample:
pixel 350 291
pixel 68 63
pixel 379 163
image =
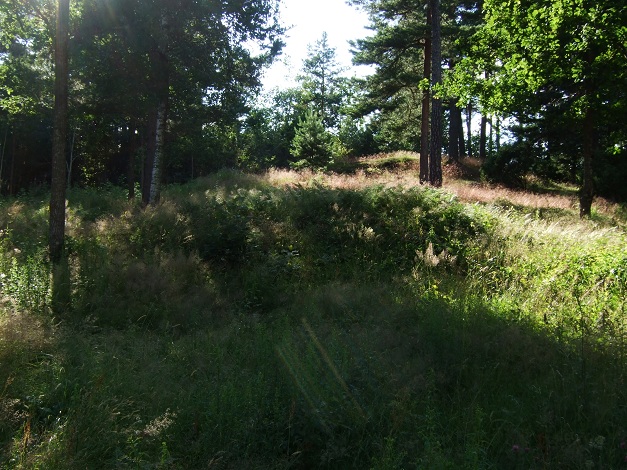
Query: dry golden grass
pixel 486 193
pixel 463 180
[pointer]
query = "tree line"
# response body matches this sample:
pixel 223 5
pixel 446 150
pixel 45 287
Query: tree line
pixel 164 91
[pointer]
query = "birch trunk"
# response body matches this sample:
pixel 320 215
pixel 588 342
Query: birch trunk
pixel 155 181
pixel 157 121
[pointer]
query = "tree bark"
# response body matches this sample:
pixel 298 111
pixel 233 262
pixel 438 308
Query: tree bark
pixel 469 129
pixel 155 181
pixel 483 141
pixel 149 155
pixel 157 122
pixel 130 169
pixel 59 137
pixel 435 153
pixel 462 141
pixel 453 133
pixel 426 99
pixel 4 147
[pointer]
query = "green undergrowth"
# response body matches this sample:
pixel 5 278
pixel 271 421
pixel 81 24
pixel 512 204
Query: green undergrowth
pixel 240 325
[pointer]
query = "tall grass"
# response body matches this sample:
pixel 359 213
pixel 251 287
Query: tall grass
pixel 298 320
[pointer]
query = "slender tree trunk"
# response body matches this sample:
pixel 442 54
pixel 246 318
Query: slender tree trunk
pixel 157 123
pixel 498 134
pixel 155 181
pixel 12 173
pixel 131 150
pixel 424 119
pixel 4 147
pixel 59 138
pixel 149 155
pixel 469 128
pixel 586 193
pixel 70 163
pixel 453 137
pixel 491 137
pixel 435 153
pixel 460 132
pixel 483 141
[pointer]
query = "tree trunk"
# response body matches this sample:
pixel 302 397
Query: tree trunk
pixel 70 163
pixel 156 123
pixel 12 173
pixel 149 155
pixel 586 193
pixel 4 147
pixel 424 118
pixel 435 153
pixel 131 150
pixel 469 129
pixel 453 133
pixel 155 180
pixel 460 132
pixel 491 137
pixel 59 137
pixel 483 141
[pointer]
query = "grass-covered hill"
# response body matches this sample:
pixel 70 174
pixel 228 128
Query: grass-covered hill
pixel 300 320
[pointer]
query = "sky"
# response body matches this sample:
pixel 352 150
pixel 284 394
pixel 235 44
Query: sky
pixel 308 20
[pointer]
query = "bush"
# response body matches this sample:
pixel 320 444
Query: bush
pixel 510 165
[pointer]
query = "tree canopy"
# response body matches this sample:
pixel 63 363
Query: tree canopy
pixel 169 90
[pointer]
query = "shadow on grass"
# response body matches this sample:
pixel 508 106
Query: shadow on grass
pixel 239 327
pixel 347 376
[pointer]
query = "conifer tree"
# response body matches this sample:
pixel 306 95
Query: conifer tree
pixel 313 144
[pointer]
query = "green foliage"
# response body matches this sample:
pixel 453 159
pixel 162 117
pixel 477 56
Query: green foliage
pixel 546 64
pixel 322 84
pixel 313 144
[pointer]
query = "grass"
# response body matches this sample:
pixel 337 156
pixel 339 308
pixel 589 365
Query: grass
pixel 303 320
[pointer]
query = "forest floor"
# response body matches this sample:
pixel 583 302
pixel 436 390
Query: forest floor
pixel 307 320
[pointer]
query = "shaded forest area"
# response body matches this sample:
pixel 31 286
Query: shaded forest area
pixel 545 85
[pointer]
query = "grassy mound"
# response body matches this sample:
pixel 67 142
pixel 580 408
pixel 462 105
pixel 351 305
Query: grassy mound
pixel 295 320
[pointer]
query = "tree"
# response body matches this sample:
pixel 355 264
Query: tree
pixel 322 83
pixel 186 65
pixel 58 183
pixel 313 144
pixel 402 49
pixel 549 56
pixel 435 147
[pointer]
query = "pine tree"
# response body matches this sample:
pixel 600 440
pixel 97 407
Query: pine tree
pixel 313 144
pixel 322 83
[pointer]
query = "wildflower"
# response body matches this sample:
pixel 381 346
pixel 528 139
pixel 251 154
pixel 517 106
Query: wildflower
pixel 515 448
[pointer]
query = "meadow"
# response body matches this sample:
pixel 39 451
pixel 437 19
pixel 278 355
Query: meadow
pixel 307 320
